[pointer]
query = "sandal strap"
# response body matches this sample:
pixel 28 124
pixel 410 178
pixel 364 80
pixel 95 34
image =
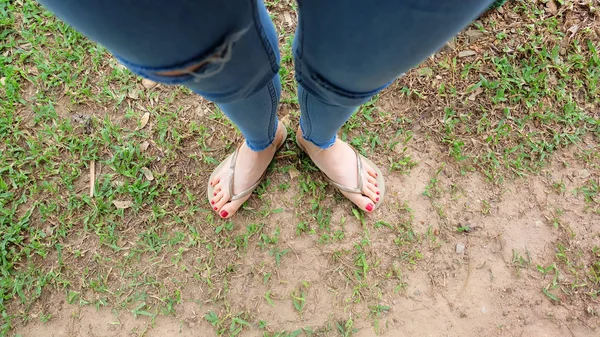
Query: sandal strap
pixel 232 173
pixel 359 170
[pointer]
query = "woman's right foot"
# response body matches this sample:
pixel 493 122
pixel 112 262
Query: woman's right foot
pixel 338 162
pixel 249 167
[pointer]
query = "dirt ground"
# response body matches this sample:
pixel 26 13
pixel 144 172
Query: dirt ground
pixel 480 292
pixel 450 253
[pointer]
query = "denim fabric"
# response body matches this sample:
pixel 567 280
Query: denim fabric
pixel 345 51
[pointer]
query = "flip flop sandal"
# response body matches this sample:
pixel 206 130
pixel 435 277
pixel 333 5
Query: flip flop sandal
pixel 233 156
pixel 358 190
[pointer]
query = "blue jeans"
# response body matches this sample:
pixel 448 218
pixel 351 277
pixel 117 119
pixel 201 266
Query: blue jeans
pixel 345 51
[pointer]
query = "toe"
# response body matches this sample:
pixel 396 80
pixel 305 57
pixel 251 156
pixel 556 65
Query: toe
pixel 229 209
pixel 372 181
pixel 214 201
pixel 371 193
pixel 365 203
pixel 220 200
pixel 371 172
pixel 215 181
pixel 373 188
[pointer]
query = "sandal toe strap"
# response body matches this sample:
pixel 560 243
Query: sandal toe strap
pixel 359 170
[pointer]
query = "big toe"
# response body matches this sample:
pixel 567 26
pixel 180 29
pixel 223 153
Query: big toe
pixel 229 209
pixel 363 202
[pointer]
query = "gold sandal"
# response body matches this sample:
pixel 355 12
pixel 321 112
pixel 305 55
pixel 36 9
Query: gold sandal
pixel 359 190
pixel 233 156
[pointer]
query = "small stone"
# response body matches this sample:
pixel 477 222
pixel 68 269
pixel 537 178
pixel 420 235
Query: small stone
pixel 460 248
pixel 551 7
pixel 583 174
pixel 417 292
pixel 148 84
pixel 466 53
pixel 450 45
pixel 473 35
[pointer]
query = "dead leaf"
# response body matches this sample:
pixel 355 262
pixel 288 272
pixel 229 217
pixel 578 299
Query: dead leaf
pixel 288 18
pixel 144 120
pixel 573 30
pixel 286 120
pixel 2 80
pixel 451 44
pixel 551 7
pixel 122 204
pixel 92 177
pixel 473 35
pixel 293 172
pixel 466 53
pixel 33 71
pixel 133 94
pixel 144 146
pixel 584 174
pixel 147 173
pixel 475 93
pixel 117 183
pixel 148 84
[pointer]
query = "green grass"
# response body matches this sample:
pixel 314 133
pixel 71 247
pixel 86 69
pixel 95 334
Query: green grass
pixel 534 97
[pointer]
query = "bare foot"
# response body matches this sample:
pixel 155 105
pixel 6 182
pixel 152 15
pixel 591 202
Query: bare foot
pixel 249 167
pixel 339 163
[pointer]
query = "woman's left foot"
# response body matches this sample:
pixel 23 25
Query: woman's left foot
pixel 339 163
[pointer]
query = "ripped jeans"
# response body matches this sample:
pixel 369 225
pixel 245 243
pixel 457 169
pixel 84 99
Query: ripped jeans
pixel 345 51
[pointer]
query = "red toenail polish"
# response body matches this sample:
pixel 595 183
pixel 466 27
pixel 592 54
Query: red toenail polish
pixel 375 185
pixel 215 208
pixel 212 202
pixel 377 199
pixel 377 194
pixel 224 214
pixel 369 207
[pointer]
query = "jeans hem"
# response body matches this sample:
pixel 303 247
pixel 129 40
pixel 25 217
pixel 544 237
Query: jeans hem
pixel 324 146
pixel 272 136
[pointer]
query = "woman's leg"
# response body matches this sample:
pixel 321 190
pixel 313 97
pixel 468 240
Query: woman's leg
pixel 346 51
pixel 225 51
